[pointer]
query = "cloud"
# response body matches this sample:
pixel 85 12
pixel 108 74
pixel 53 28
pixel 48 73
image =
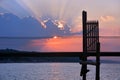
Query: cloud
pixel 11 25
pixel 107 18
pixel 62 10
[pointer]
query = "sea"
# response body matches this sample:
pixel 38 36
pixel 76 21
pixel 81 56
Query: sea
pixel 109 67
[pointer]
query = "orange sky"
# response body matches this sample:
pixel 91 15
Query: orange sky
pixel 72 44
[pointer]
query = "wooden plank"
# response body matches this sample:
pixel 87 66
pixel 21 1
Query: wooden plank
pixel 88 62
pixel 33 57
pixel 57 54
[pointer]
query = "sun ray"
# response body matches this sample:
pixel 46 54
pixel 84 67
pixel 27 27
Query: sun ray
pixel 60 10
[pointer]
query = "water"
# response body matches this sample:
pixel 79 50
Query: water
pixel 55 71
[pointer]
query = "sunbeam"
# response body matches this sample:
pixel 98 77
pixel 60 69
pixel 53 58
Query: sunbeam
pixel 68 11
pixel 56 10
pixel 59 10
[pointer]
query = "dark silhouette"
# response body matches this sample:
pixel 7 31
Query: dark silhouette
pixel 91 44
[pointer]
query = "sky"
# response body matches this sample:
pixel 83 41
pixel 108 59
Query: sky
pixel 68 11
pixel 65 12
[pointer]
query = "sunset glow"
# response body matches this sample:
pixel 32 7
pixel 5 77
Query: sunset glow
pixel 70 44
pixel 64 45
pixel 48 18
pixel 55 37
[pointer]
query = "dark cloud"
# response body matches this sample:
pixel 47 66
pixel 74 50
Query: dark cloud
pixel 11 25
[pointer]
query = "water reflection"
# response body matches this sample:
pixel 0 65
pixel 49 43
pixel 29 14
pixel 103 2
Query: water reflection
pixel 56 71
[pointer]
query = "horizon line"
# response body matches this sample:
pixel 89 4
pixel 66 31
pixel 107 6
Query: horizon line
pixel 38 37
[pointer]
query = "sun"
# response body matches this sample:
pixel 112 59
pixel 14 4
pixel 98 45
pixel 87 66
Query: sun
pixel 55 37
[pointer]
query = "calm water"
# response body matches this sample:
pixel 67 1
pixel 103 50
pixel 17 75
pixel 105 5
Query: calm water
pixel 55 71
pixel 110 67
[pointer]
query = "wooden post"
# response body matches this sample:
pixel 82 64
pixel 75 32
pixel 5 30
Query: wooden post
pixel 84 66
pixel 90 44
pixel 98 62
